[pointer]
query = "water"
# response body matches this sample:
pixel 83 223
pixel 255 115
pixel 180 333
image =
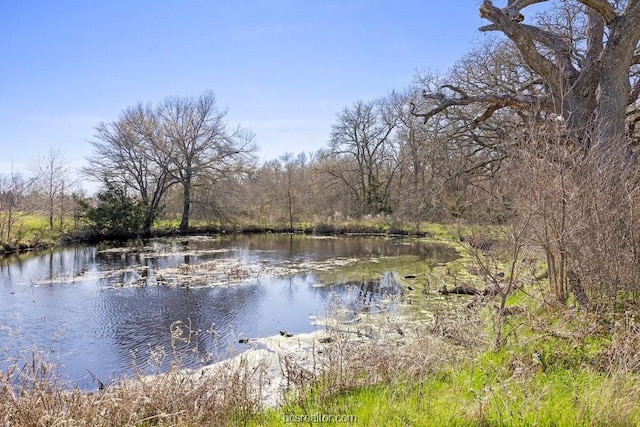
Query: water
pixel 98 310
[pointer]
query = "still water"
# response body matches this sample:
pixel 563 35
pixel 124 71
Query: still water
pixel 96 311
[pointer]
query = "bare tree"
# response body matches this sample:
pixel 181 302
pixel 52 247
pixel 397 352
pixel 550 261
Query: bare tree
pixel 51 172
pixel 134 153
pixel 288 176
pixel 294 183
pixel 585 64
pixel 261 194
pixel 461 148
pixel 419 182
pixel 557 102
pixel 199 143
pixel 13 188
pixel 276 193
pixel 149 149
pixel 362 152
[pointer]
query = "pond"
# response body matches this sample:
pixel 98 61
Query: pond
pixel 99 311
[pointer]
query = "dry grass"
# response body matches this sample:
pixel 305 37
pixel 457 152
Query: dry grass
pixel 385 348
pixel 33 396
pixel 227 393
pixel 624 351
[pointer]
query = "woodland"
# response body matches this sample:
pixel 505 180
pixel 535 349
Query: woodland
pixel 534 129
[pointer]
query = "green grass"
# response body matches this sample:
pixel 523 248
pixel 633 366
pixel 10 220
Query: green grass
pixel 486 392
pixel 167 224
pixel 33 230
pixel 34 222
pixel 439 231
pixel 554 371
pixel 408 403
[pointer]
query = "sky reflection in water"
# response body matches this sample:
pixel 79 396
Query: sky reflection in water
pixel 91 309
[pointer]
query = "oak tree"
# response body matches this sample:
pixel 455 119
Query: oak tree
pixel 584 56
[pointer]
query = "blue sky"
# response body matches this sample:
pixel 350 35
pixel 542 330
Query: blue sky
pixel 283 68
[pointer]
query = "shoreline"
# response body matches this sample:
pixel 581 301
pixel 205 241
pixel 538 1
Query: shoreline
pixel 86 237
pixel 279 364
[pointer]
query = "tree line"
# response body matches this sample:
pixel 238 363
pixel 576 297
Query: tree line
pixel 534 129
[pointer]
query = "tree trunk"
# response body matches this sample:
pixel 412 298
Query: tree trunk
pixel 613 94
pixel 9 219
pixel 186 205
pixel 290 209
pixel 149 210
pixel 62 207
pixel 51 200
pixel 148 222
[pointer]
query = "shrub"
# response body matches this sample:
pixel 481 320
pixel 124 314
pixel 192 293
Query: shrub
pixel 116 213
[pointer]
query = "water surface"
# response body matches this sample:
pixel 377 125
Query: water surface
pixel 97 310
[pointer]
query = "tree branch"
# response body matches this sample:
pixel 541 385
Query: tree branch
pixel 484 164
pixel 588 80
pixel 515 6
pixel 484 116
pixel 455 89
pixel 530 84
pixel 603 7
pixel 490 27
pixel 524 37
pixel 496 102
pixel 595 35
pixel 559 45
pixel 521 4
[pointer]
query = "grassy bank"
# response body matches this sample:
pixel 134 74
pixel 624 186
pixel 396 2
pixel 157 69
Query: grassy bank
pixel 565 376
pixel 438 362
pixel 549 366
pixel 33 232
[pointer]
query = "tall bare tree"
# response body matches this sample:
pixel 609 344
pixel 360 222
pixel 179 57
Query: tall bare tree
pixel 200 143
pixel 362 152
pixel 417 190
pixel 51 172
pixel 282 186
pixel 294 184
pixel 464 145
